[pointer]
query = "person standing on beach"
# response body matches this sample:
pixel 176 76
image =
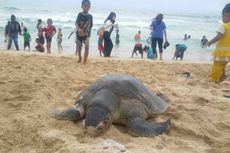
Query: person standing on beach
pixel 27 38
pixel 12 30
pixel 221 54
pixel 50 31
pixel 59 40
pixel 40 32
pixel 100 44
pixel 84 24
pixel 109 26
pixel 158 28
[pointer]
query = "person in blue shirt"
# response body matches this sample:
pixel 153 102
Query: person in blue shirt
pixel 158 34
pixel 179 52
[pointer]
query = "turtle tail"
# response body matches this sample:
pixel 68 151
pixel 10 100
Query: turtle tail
pixel 140 127
pixel 71 114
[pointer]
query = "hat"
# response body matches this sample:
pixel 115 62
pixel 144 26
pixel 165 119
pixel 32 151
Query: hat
pixel 166 44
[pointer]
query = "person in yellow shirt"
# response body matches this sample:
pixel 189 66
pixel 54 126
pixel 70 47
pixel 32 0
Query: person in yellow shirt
pixel 221 54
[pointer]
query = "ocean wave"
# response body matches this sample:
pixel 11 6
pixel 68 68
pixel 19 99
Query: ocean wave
pixel 11 9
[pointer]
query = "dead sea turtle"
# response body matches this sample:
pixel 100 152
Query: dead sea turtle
pixel 118 99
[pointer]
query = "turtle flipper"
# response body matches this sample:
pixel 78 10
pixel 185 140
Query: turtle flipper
pixel 72 114
pixel 140 127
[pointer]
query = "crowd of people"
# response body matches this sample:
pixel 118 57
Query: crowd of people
pixel 158 37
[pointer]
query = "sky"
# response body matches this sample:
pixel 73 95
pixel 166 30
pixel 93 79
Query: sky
pixel 175 6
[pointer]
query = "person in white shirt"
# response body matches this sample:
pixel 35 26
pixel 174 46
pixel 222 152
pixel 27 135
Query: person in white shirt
pixel 109 26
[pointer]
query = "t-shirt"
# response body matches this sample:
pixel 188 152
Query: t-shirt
pixel 85 22
pixel 109 26
pixel 158 28
pixel 49 30
pixel 181 47
pixel 222 50
pixel 40 48
pixel 26 36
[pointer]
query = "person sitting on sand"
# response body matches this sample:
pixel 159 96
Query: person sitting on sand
pixel 137 47
pixel 179 51
pixel 39 46
pixel 221 54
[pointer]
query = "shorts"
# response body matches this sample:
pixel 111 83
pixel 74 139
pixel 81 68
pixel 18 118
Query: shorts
pixel 41 39
pixel 81 39
pixel 48 39
pixel 26 44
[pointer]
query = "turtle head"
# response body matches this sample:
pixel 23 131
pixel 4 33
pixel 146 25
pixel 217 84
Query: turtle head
pixel 97 121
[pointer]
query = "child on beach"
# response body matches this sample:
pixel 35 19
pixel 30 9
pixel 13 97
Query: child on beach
pixel 100 44
pixel 50 31
pixel 59 40
pixel 221 54
pixel 84 25
pixel 149 51
pixel 27 38
pixel 117 41
pixel 39 46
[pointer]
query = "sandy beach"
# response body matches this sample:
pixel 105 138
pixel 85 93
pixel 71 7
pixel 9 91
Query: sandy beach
pixel 33 84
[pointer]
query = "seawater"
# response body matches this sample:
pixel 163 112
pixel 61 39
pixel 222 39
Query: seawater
pixel 129 23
